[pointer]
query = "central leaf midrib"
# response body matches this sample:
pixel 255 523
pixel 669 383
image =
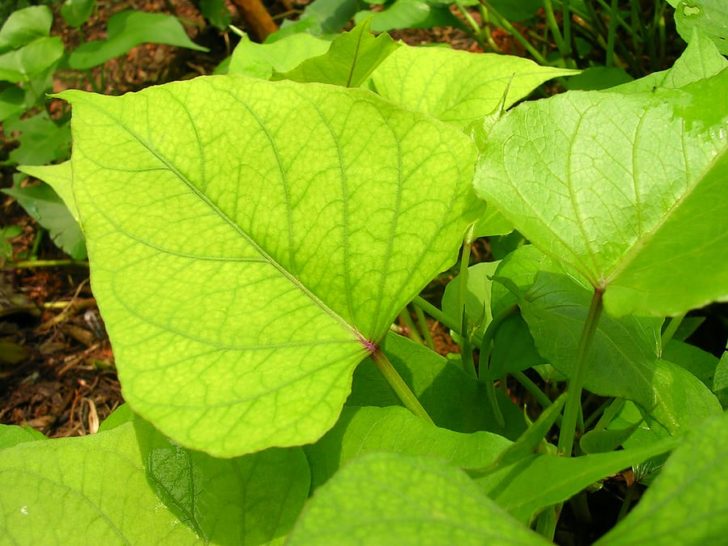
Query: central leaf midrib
pixel 223 216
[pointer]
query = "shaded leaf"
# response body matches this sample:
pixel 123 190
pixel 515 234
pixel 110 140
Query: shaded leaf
pixel 322 217
pixel 429 375
pixel 44 205
pixel 41 140
pixel 24 26
pixel 129 29
pixel 687 503
pixel 22 65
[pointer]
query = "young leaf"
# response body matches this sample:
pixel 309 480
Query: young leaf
pixel 261 60
pixel 127 30
pixel 477 296
pixel 349 61
pixel 76 12
pixel 687 504
pixel 611 184
pixel 387 499
pixel 246 257
pixel 24 26
pixel 109 482
pixel 395 430
pixel 456 86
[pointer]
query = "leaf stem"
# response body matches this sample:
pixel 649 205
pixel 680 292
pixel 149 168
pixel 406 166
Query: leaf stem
pixel 612 33
pixel 424 327
pixel 672 327
pixel 576 383
pixel 435 313
pixel 412 332
pixel 399 386
pixel 29 264
pixel 534 389
pixel 467 351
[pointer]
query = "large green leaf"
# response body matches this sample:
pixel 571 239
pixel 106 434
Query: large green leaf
pixel 261 60
pixel 127 30
pixel 457 86
pixel 350 60
pixel 250 241
pixel 612 184
pixel 389 499
pixel 396 430
pixel 106 489
pixel 24 26
pixel 687 504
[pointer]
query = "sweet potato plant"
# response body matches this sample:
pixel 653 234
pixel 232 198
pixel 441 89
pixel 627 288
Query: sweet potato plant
pixel 252 237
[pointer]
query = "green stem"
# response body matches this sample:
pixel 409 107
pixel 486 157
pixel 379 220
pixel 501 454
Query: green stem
pixel 506 24
pixel 672 327
pixel 469 18
pixel 406 319
pixel 554 27
pixel 467 354
pixel 435 313
pixel 29 264
pixel 398 385
pixel 424 327
pixel 566 22
pixel 612 32
pixel 576 383
pixel 534 389
pixel 628 498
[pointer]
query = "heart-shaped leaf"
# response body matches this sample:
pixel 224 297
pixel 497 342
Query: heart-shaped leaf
pixel 613 184
pixel 250 241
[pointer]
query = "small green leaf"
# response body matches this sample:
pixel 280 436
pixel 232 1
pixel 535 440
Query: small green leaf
pixel 513 349
pixel 324 211
pixel 409 14
pixel 687 504
pixel 41 140
pixel 261 60
pixel 491 223
pixel 30 61
pixel 698 362
pixel 216 12
pixel 611 184
pixel 388 499
pixel 350 60
pixel 602 441
pixel 76 12
pixel 710 17
pixel 456 86
pixel 127 30
pixel 623 352
pixel 11 435
pixel 477 296
pixel 24 26
pixel 44 205
pixel 396 430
